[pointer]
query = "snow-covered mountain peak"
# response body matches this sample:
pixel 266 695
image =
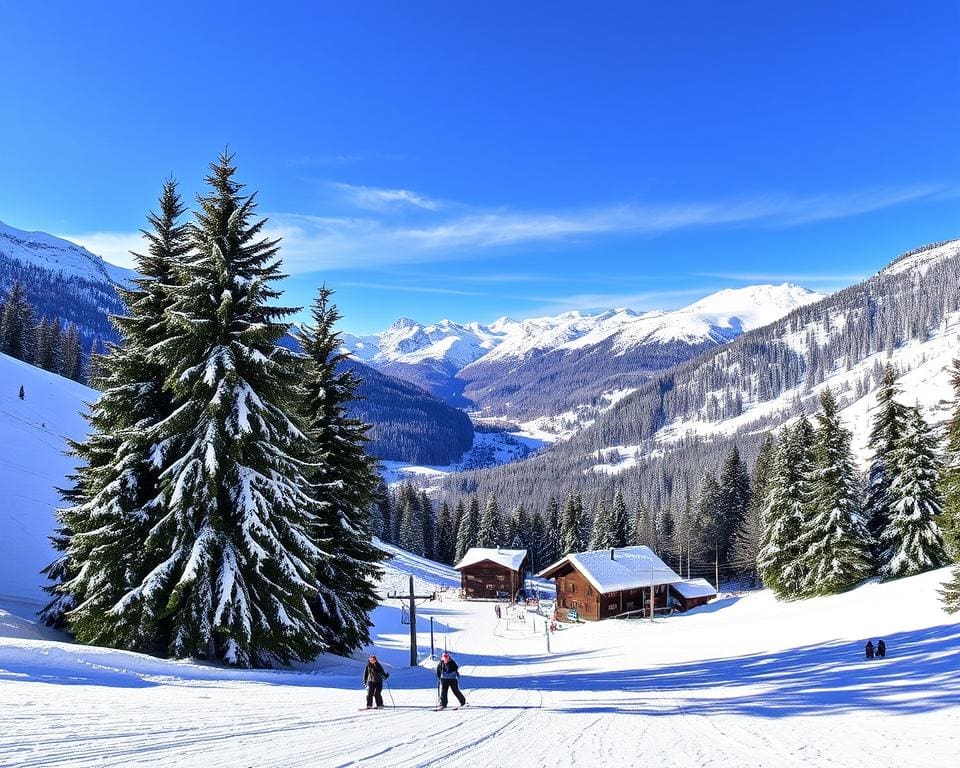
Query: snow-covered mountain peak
pixel 923 258
pixel 754 305
pixel 57 255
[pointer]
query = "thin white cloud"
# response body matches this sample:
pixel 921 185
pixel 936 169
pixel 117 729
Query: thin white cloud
pixel 380 198
pixel 786 277
pixel 327 243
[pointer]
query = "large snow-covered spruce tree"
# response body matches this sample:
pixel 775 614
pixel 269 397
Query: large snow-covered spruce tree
pixel 912 542
pixel 115 496
pixel 345 482
pixel 602 535
pixel 238 540
pixel 950 476
pixel 468 528
pixel 887 427
pixel 779 561
pixel 834 546
pixel 491 532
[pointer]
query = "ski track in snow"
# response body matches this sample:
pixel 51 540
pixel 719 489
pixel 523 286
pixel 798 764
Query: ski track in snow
pixel 745 681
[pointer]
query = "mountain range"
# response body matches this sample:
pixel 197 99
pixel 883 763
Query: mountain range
pixel 545 365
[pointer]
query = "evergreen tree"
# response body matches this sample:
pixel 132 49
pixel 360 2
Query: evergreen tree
pixel 72 355
pixel 886 430
pixel 785 512
pixel 345 483
pixel 912 542
pixel 469 528
pixel 950 594
pixel 552 548
pixel 950 476
pixel 519 532
pixel 644 527
pixel 41 354
pixel 50 345
pixel 115 499
pixel 538 543
pixel 707 526
pixel 17 325
pixel 620 520
pixel 446 536
pixel 429 521
pixel 242 533
pixel 733 502
pixel 603 535
pixel 834 547
pixel 491 532
pixel 572 526
pixel 746 545
pixel 411 520
pixel 459 513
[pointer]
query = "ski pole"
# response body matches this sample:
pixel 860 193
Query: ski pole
pixel 390 694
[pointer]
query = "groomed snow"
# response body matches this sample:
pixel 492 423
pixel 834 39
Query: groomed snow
pixel 743 681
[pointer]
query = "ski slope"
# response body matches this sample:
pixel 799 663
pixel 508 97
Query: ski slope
pixel 744 681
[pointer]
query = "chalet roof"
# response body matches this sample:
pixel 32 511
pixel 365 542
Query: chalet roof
pixel 629 568
pixel 508 558
pixel 694 588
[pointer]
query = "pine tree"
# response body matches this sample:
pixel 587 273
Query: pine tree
pixel 491 532
pixel 887 428
pixel 785 512
pixel 834 546
pixel 446 536
pixel 519 530
pixel 707 526
pixel 950 477
pixel 17 325
pixel 644 527
pixel 572 525
pixel 239 535
pixel 950 594
pixel 429 521
pixel 50 345
pixel 459 513
pixel 411 520
pixel 115 499
pixel 602 536
pixel 620 520
pixel 345 485
pixel 538 543
pixel 746 544
pixel 72 354
pixel 912 542
pixel 552 548
pixel 469 528
pixel 733 502
pixel 40 354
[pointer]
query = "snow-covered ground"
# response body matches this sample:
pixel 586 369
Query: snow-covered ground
pixel 743 681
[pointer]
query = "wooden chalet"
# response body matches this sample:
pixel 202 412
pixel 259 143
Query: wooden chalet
pixel 691 593
pixel 488 574
pixel 610 582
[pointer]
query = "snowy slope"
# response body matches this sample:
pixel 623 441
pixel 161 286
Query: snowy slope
pixel 743 681
pixel 33 434
pixel 57 255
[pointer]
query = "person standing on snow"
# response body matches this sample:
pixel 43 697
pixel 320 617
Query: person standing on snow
pixel 881 649
pixel 868 649
pixel 448 673
pixel 373 677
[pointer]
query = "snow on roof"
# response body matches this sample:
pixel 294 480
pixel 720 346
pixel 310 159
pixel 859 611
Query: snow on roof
pixel 629 568
pixel 509 558
pixel 695 588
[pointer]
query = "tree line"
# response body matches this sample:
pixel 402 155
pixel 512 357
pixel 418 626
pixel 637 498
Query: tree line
pixel 43 342
pixel 219 506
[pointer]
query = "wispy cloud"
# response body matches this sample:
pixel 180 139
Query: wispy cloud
pixel 376 239
pixel 114 247
pixel 786 277
pixel 379 198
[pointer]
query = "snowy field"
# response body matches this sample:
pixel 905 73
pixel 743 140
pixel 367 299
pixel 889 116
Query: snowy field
pixel 744 681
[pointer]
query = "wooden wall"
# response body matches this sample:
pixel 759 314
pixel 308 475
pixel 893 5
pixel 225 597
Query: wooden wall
pixel 482 581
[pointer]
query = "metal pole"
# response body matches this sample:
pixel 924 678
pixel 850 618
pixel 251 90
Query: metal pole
pixel 431 638
pixel 413 627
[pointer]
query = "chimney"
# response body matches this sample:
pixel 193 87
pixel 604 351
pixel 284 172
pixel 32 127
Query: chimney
pixel 611 553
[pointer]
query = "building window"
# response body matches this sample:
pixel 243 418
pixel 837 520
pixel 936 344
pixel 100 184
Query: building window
pixel 501 577
pixel 573 588
pixel 611 606
pixel 589 591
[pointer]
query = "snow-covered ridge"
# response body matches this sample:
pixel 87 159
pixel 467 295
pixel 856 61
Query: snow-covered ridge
pixel 57 255
pixel 717 317
pixel 922 259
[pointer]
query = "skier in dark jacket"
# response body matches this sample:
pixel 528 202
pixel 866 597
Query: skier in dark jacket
pixel 373 677
pixel 449 675
pixel 868 649
pixel 881 648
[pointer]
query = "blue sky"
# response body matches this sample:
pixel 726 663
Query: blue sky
pixel 436 159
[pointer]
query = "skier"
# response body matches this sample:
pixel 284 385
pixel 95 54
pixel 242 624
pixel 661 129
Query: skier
pixel 373 677
pixel 869 649
pixel 881 648
pixel 448 673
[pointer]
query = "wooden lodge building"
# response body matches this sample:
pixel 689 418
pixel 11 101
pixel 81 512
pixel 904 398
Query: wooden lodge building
pixel 488 574
pixel 612 582
pixel 692 593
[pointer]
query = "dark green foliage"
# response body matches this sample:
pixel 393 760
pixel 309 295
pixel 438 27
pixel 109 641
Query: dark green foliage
pixel 17 325
pixel 446 536
pixel 491 532
pixel 603 535
pixel 732 503
pixel 950 594
pixel 469 528
pixel 950 477
pixel 572 526
pixel 72 355
pixel 519 529
pixel 552 544
pixel 539 552
pixel 620 522
pixel 746 544
pixel 429 522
